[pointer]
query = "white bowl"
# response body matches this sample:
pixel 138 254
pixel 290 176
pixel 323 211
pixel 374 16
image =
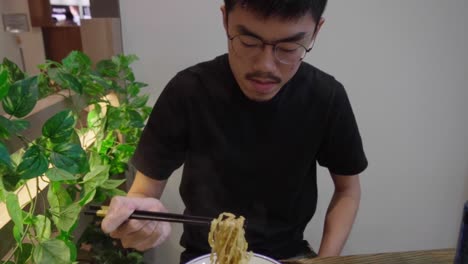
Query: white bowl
pixel 255 259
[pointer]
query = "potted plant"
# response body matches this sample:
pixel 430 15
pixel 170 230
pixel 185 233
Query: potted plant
pixel 79 154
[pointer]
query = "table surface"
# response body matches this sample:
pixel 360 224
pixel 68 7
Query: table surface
pixel 439 256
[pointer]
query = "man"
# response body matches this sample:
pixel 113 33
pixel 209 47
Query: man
pixel 249 128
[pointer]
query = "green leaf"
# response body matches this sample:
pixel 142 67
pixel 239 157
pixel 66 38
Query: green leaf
pixel 124 61
pixel 139 101
pixel 24 254
pixel 106 144
pixel 58 197
pixel 15 212
pixel 146 110
pixel 69 157
pixel 113 192
pixel 114 118
pixel 88 196
pixel 64 212
pixel 73 250
pixel 12 127
pixel 134 88
pixel 66 80
pixel 14 72
pixel 52 251
pixel 97 176
pixel 43 86
pixel 107 68
pixel 17 234
pixel 100 81
pixel 124 152
pixel 10 181
pixel 56 174
pixel 65 218
pixel 42 228
pixel 94 117
pixel 5 160
pixel 135 119
pixel 21 98
pixel 60 127
pixel 77 62
pixel 34 163
pixel 112 184
pixel 4 83
pixel 94 160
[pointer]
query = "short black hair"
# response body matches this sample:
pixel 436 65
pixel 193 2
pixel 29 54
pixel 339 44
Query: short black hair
pixel 285 9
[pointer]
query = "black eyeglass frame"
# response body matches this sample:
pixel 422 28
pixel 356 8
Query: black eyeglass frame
pixel 273 45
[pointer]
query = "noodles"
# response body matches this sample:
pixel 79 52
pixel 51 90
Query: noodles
pixel 227 240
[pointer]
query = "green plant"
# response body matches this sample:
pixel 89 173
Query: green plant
pixel 77 172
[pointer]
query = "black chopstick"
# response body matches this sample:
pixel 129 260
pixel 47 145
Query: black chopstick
pixel 155 216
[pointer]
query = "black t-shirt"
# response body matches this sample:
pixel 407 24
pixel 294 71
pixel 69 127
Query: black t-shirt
pixel 255 159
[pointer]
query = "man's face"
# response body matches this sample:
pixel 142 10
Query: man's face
pixel 260 77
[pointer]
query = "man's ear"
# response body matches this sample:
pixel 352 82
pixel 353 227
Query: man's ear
pixel 319 26
pixel 225 17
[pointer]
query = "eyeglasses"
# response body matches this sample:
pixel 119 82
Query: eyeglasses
pixel 246 46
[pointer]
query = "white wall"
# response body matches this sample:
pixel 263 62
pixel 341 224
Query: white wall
pixel 405 66
pixel 32 43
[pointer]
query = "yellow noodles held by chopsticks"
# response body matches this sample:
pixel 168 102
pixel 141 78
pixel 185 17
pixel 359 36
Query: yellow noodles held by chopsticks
pixel 227 240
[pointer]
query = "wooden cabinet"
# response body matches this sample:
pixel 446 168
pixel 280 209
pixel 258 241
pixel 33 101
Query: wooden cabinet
pixel 60 41
pixel 100 38
pixel 41 13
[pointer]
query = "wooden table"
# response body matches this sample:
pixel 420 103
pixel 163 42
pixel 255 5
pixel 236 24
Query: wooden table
pixel 440 256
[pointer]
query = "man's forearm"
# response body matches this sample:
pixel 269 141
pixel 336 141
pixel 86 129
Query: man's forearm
pixel 338 222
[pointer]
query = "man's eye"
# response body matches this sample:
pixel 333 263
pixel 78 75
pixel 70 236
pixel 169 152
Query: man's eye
pixel 249 44
pixel 287 50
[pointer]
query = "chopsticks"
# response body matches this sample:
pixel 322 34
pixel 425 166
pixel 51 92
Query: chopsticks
pixel 101 211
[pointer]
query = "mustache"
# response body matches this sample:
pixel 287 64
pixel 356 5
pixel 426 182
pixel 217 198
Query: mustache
pixel 263 75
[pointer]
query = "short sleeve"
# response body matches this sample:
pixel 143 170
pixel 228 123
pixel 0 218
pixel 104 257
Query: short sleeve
pixel 162 146
pixel 341 150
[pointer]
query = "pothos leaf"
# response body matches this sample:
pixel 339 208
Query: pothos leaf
pixel 52 251
pixel 15 212
pixel 65 218
pixel 60 127
pixel 69 157
pixel 112 184
pixel 64 212
pixel 67 80
pixel 14 72
pixel 56 174
pixel 77 62
pixel 97 176
pixel 34 163
pixel 5 160
pixel 4 83
pixel 21 98
pixel 11 127
pixel 42 228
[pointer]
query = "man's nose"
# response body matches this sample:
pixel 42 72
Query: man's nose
pixel 265 61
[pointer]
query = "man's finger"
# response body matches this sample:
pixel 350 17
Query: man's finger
pixel 119 211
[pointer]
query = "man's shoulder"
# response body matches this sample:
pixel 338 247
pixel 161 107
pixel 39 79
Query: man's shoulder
pixel 317 84
pixel 216 65
pixel 201 73
pixel 199 79
pixel 311 73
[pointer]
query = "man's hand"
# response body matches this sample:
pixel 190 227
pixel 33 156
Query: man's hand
pixel 137 234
